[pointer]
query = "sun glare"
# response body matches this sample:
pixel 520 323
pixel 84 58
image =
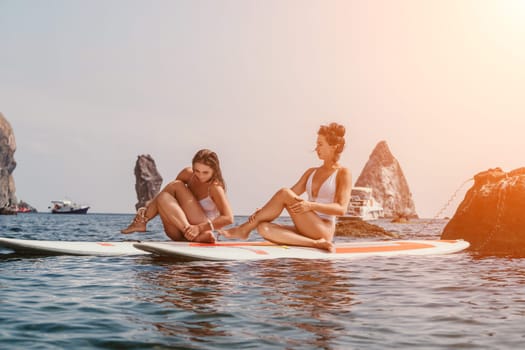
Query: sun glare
pixel 502 24
pixel 510 14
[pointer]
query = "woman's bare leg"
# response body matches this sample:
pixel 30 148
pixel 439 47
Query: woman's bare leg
pixel 152 209
pixel 148 212
pixel 269 212
pixel 171 230
pixel 193 210
pixel 171 212
pixel 177 235
pixel 138 224
pixel 310 230
pixel 280 234
pixel 179 208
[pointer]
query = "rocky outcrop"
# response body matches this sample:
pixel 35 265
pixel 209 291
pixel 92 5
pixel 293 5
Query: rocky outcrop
pixel 7 165
pixel 357 228
pixel 491 214
pixel 383 174
pixel 148 180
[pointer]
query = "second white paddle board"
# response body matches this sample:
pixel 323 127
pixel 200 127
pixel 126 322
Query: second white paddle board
pixel 265 250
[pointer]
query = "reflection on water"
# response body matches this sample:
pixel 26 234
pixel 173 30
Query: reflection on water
pixel 500 272
pixel 446 302
pixel 185 286
pixel 304 299
pixel 308 295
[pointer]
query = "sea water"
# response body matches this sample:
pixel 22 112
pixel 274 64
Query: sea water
pixel 459 301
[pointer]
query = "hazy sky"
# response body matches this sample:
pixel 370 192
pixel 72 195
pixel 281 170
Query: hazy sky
pixel 89 85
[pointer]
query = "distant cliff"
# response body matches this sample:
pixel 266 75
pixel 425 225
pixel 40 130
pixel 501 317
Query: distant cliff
pixel 7 164
pixel 384 175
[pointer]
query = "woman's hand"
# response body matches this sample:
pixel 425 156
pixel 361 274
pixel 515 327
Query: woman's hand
pixel 300 206
pixel 191 231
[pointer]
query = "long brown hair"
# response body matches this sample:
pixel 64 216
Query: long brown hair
pixel 210 158
pixel 335 136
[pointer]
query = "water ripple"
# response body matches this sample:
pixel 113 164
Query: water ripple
pixel 455 301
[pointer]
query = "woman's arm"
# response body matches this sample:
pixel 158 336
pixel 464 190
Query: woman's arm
pixel 300 187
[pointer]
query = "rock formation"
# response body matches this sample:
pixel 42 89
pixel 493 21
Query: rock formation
pixel 383 174
pixel 358 228
pixel 491 214
pixel 7 165
pixel 148 180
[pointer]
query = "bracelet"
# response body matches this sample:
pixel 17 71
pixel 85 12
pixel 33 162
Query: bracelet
pixel 211 225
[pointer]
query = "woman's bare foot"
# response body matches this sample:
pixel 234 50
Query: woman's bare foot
pixel 134 227
pixel 205 237
pixel 138 224
pixel 325 245
pixel 236 232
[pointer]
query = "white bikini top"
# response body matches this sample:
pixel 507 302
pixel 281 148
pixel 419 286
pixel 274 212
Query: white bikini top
pixel 209 207
pixel 326 192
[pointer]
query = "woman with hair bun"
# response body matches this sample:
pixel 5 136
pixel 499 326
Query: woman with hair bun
pixel 328 187
pixel 192 205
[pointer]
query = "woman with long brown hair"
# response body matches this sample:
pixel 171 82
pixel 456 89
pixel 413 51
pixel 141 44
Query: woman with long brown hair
pixel 328 187
pixel 193 205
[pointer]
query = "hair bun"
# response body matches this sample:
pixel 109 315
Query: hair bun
pixel 340 131
pixel 337 129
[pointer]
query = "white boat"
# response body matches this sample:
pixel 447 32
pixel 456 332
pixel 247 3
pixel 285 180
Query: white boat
pixel 66 206
pixel 363 205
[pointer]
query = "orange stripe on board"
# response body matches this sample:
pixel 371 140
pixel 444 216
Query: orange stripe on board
pixel 257 251
pixel 386 248
pixel 231 244
pixel 243 245
pixel 105 244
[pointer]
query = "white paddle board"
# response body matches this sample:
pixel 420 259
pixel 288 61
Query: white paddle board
pixel 266 250
pixel 27 246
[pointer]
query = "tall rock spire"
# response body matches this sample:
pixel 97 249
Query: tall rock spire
pixel 7 164
pixel 148 180
pixel 383 174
